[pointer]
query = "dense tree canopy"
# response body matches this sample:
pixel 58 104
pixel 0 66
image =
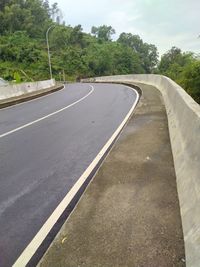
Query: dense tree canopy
pixel 31 16
pixel 147 52
pixel 184 68
pixel 23 46
pixel 103 33
pixel 23 49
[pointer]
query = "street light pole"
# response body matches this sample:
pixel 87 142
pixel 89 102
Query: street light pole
pixel 49 55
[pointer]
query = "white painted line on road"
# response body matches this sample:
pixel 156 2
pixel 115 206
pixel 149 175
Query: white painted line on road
pixel 30 250
pixel 47 116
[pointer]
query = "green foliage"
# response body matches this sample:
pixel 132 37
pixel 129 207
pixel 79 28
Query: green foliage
pixel 183 68
pixel 17 77
pixel 19 15
pixel 190 79
pixel 103 33
pixel 23 49
pixel 147 52
pixel 174 56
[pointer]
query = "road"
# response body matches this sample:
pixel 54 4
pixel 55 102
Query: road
pixel 45 146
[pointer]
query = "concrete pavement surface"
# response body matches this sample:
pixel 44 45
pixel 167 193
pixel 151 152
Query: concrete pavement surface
pixel 129 215
pixel 44 148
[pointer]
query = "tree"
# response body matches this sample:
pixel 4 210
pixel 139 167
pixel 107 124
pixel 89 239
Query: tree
pixel 4 3
pixel 76 36
pixel 23 45
pixel 172 56
pixel 147 52
pixel 103 33
pixel 130 40
pixel 190 79
pixel 149 57
pixel 184 68
pixel 20 15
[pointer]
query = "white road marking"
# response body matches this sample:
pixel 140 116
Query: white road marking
pixel 47 116
pixel 30 250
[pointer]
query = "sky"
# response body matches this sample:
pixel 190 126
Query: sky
pixel 165 23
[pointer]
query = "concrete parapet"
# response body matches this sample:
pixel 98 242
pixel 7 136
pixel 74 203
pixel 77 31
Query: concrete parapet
pixel 184 127
pixel 16 90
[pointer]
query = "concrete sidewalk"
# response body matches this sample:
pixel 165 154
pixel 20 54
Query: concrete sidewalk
pixel 129 215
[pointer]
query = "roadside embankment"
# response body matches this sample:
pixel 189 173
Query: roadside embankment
pixel 184 126
pixel 13 94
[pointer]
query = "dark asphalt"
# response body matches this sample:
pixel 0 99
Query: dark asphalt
pixel 130 214
pixel 40 163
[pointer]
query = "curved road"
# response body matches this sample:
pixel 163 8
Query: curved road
pixel 45 146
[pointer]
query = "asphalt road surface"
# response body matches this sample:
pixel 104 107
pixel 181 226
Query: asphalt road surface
pixel 45 146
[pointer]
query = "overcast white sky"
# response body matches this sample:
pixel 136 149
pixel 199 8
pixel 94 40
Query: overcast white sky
pixel 165 23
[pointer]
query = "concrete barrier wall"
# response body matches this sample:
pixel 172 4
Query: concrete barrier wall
pixel 24 88
pixel 184 127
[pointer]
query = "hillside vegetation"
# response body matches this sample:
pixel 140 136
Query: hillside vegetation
pixel 184 68
pixel 76 54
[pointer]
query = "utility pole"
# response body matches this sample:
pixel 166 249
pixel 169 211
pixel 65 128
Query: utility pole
pixel 48 50
pixel 64 75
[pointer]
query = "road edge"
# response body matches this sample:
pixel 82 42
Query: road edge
pixel 36 242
